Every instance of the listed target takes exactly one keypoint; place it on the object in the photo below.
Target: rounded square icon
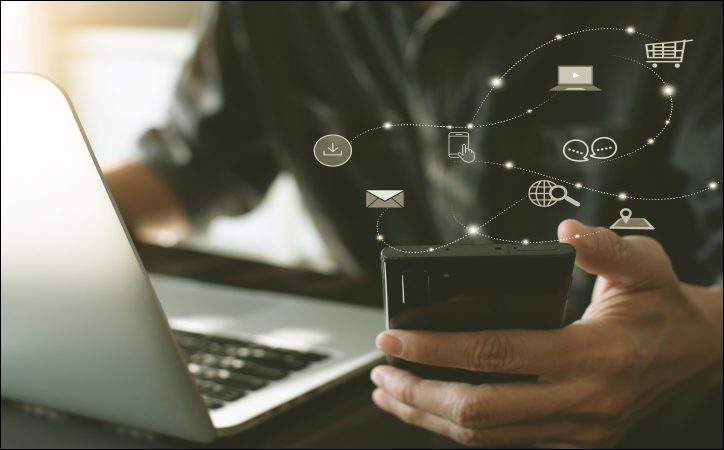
(332, 150)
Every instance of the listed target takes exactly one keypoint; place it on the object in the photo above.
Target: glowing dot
(577, 236)
(650, 141)
(449, 127)
(667, 121)
(622, 196)
(473, 229)
(529, 111)
(713, 185)
(559, 37)
(380, 237)
(496, 82)
(525, 242)
(509, 164)
(470, 126)
(387, 125)
(431, 249)
(630, 30)
(578, 185)
(668, 90)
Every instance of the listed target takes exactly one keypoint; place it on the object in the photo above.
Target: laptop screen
(575, 74)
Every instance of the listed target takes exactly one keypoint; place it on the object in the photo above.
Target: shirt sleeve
(213, 150)
(697, 149)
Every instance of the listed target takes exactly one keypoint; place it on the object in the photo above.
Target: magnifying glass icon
(559, 193)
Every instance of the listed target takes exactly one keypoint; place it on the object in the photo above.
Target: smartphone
(473, 288)
(456, 142)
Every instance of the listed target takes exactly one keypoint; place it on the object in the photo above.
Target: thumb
(630, 260)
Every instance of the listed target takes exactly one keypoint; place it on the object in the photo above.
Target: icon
(545, 193)
(670, 52)
(575, 78)
(332, 150)
(458, 146)
(577, 150)
(381, 198)
(627, 223)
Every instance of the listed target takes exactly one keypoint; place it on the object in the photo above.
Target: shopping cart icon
(671, 52)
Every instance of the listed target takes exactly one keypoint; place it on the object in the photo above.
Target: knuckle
(467, 413)
(407, 392)
(491, 353)
(619, 247)
(621, 356)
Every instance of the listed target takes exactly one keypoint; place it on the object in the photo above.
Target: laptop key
(236, 365)
(277, 360)
(217, 391)
(306, 356)
(227, 378)
(246, 367)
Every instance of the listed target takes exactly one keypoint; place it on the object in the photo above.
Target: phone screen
(456, 140)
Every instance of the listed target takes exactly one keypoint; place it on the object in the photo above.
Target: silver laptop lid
(82, 330)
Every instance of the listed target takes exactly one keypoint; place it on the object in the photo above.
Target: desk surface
(342, 417)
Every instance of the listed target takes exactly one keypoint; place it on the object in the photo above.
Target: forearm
(149, 207)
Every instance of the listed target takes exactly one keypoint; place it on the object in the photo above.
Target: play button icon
(575, 75)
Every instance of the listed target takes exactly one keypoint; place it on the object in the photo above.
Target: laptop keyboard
(226, 369)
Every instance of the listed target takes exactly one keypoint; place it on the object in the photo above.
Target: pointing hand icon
(467, 155)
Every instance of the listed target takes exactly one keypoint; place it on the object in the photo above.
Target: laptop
(86, 330)
(575, 78)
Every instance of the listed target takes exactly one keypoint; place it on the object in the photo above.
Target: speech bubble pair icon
(577, 150)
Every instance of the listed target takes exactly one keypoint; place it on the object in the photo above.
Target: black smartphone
(473, 288)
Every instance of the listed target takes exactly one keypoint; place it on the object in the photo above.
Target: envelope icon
(381, 198)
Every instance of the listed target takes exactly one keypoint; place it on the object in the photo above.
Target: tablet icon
(626, 222)
(458, 146)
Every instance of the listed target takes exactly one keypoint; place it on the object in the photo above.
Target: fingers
(533, 352)
(483, 406)
(635, 260)
(490, 437)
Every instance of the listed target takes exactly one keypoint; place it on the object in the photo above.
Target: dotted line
(452, 211)
(391, 125)
(524, 113)
(676, 197)
(496, 238)
(581, 186)
(477, 111)
(661, 131)
(433, 249)
(451, 127)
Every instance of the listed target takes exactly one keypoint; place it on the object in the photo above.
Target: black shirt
(268, 79)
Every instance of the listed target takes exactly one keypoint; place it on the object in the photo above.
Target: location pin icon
(625, 215)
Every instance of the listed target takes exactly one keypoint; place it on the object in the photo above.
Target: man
(268, 80)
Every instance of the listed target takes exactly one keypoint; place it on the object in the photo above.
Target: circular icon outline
(585, 157)
(593, 145)
(345, 160)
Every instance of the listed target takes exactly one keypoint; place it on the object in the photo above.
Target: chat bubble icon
(576, 150)
(603, 148)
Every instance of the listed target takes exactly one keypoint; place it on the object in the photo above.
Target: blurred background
(119, 61)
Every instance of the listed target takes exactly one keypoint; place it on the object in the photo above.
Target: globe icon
(539, 193)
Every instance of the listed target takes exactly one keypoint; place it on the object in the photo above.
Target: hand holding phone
(473, 288)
